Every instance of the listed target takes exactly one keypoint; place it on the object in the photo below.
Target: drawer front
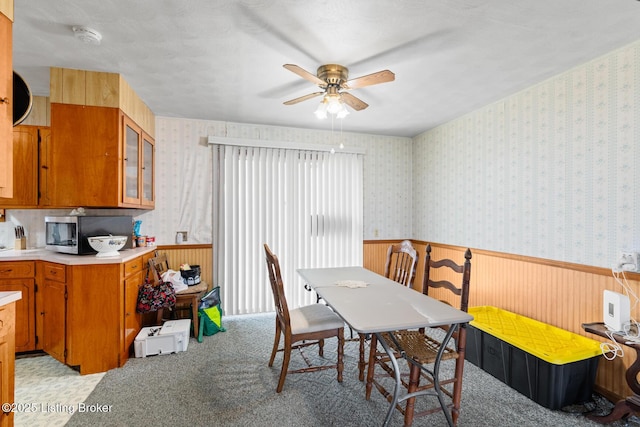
(133, 266)
(56, 272)
(21, 269)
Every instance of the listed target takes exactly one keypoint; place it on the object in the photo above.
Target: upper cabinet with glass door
(138, 165)
(148, 170)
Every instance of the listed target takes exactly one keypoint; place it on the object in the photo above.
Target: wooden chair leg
(414, 379)
(457, 385)
(285, 364)
(321, 348)
(372, 365)
(276, 342)
(361, 362)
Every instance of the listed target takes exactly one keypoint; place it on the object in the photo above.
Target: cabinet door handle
(6, 271)
(4, 100)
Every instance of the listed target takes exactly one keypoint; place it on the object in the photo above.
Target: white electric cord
(611, 350)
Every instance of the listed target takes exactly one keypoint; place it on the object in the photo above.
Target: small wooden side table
(630, 405)
(191, 297)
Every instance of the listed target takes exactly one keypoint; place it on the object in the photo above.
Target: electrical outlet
(181, 236)
(628, 261)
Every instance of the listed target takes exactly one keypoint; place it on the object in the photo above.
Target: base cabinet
(54, 298)
(89, 313)
(20, 276)
(7, 360)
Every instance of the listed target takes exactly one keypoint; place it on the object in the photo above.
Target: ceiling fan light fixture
(334, 104)
(343, 112)
(321, 111)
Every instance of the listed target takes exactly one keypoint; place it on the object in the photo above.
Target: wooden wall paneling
(136, 109)
(201, 255)
(55, 85)
(73, 86)
(102, 89)
(40, 114)
(561, 294)
(6, 8)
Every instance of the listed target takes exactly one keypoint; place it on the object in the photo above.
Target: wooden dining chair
(301, 327)
(420, 347)
(400, 266)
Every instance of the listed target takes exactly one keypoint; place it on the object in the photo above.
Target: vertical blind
(306, 205)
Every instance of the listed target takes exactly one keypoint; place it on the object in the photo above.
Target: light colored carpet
(225, 381)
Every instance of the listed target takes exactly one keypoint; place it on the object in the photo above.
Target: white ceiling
(222, 59)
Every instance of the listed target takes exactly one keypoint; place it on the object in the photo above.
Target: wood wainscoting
(561, 294)
(197, 254)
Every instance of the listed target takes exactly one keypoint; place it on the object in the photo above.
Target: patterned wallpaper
(550, 172)
(184, 175)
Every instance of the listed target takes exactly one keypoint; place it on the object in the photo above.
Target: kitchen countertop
(50, 256)
(9, 297)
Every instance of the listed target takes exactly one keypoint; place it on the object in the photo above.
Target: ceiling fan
(334, 80)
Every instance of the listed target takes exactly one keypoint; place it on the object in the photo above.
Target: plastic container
(551, 366)
(191, 277)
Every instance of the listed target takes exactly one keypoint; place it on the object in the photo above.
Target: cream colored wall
(550, 172)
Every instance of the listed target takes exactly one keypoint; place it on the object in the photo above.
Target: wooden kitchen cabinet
(31, 155)
(102, 138)
(7, 360)
(135, 272)
(95, 144)
(20, 276)
(53, 310)
(138, 170)
(89, 312)
(6, 99)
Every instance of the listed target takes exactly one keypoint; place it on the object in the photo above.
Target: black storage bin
(552, 385)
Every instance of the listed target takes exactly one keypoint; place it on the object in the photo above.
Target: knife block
(21, 244)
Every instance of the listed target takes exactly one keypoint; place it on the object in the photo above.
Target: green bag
(210, 314)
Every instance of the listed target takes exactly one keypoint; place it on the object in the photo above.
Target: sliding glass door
(306, 205)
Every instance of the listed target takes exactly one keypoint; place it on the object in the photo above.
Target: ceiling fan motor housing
(333, 74)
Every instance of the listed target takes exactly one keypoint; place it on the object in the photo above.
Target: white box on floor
(180, 329)
(172, 337)
(149, 342)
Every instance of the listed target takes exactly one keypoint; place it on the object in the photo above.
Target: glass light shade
(321, 111)
(334, 105)
(343, 112)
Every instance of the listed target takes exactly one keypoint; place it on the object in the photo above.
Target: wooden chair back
(277, 287)
(463, 271)
(157, 266)
(402, 260)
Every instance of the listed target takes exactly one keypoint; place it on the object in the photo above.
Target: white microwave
(69, 234)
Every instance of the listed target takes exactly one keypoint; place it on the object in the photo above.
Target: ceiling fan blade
(370, 79)
(353, 102)
(303, 98)
(305, 74)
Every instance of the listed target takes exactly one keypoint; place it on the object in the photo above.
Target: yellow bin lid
(549, 343)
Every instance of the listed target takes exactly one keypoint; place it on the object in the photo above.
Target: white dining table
(373, 304)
